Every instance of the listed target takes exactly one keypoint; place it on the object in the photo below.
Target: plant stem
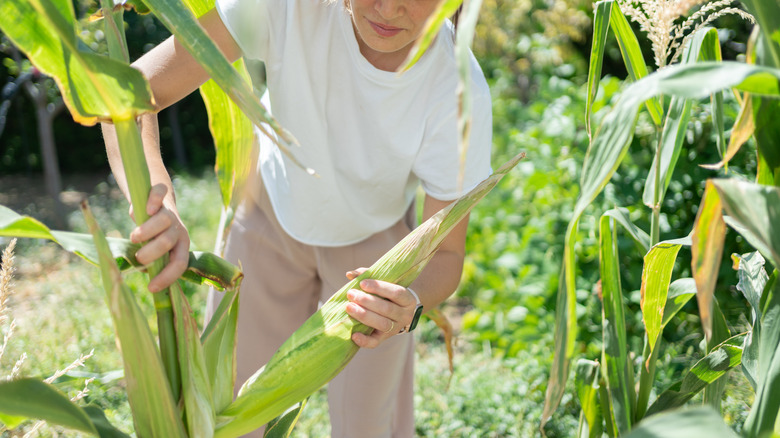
(655, 226)
(647, 373)
(139, 184)
(646, 378)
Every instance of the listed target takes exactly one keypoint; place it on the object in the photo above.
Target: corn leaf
(684, 423)
(616, 368)
(756, 209)
(640, 237)
(706, 371)
(713, 393)
(463, 39)
(282, 426)
(602, 159)
(565, 329)
(32, 398)
(204, 267)
(709, 234)
(181, 22)
(704, 46)
(231, 129)
(93, 87)
(742, 130)
(752, 281)
(763, 417)
(219, 350)
(767, 15)
(587, 383)
(656, 276)
(323, 345)
(104, 428)
(441, 321)
(601, 13)
(680, 292)
(151, 401)
(445, 9)
(766, 133)
(633, 58)
(196, 384)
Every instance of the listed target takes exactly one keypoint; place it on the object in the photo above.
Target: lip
(384, 30)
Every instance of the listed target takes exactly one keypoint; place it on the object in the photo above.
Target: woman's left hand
(386, 307)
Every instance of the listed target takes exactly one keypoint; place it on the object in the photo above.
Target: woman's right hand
(164, 233)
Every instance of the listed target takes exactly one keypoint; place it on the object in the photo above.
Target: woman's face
(387, 29)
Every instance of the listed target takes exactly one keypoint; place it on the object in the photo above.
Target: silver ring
(392, 326)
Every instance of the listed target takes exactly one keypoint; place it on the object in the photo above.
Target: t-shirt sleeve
(250, 23)
(438, 165)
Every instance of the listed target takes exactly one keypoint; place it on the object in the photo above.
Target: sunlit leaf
(93, 87)
(656, 276)
(709, 234)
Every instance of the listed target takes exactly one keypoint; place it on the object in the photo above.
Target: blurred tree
(45, 97)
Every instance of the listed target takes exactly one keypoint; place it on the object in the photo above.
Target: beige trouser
(284, 282)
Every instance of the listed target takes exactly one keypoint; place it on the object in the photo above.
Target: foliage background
(534, 55)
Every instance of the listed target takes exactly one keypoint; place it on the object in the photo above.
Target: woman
(373, 136)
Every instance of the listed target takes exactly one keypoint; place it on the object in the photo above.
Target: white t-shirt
(371, 135)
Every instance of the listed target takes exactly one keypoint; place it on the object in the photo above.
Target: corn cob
(323, 345)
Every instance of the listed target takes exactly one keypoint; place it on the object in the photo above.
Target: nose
(389, 9)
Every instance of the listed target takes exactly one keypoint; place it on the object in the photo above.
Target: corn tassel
(323, 345)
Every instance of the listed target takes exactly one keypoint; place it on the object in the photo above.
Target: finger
(372, 319)
(393, 292)
(367, 341)
(156, 196)
(173, 271)
(158, 247)
(375, 304)
(155, 225)
(353, 274)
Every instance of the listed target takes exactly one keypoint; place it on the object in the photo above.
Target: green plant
(186, 387)
(610, 402)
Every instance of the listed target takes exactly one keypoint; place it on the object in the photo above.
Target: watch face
(417, 312)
